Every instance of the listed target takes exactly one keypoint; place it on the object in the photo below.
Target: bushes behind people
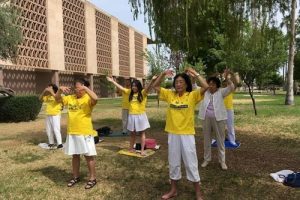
(19, 108)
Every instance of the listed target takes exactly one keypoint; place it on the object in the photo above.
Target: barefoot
(143, 153)
(169, 195)
(199, 196)
(131, 150)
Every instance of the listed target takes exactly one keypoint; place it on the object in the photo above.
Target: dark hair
(187, 80)
(214, 80)
(54, 87)
(82, 81)
(139, 87)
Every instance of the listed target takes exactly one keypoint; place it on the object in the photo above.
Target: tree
(10, 32)
(258, 54)
(158, 60)
(195, 26)
(289, 99)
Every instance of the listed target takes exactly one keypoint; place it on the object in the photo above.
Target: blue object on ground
(227, 143)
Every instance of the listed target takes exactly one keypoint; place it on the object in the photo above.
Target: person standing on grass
(80, 133)
(53, 111)
(125, 107)
(213, 115)
(180, 127)
(137, 118)
(228, 102)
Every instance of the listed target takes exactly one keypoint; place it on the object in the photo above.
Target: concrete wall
(91, 47)
(115, 47)
(56, 54)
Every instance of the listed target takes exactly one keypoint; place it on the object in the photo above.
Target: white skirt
(80, 144)
(138, 122)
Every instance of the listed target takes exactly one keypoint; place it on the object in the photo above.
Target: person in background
(125, 107)
(137, 118)
(213, 114)
(53, 111)
(228, 102)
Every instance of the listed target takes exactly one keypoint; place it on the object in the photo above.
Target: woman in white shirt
(213, 115)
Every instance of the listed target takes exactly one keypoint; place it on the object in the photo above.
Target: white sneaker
(205, 163)
(224, 166)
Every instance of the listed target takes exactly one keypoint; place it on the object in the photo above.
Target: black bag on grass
(292, 180)
(96, 139)
(104, 131)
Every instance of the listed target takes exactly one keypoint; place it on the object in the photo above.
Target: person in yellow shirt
(53, 111)
(180, 127)
(125, 106)
(137, 118)
(80, 132)
(228, 102)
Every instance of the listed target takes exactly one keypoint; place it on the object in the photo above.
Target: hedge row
(19, 108)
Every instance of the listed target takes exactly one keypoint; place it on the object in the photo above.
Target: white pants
(183, 147)
(218, 127)
(53, 128)
(230, 126)
(124, 120)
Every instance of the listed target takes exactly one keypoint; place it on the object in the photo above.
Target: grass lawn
(269, 142)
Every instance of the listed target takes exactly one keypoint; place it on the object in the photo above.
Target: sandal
(73, 181)
(90, 184)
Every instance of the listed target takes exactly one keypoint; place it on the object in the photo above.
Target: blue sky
(121, 10)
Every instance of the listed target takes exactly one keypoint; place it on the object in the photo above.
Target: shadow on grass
(55, 174)
(111, 148)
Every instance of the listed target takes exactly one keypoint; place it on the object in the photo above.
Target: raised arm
(61, 90)
(159, 79)
(227, 75)
(202, 81)
(236, 79)
(120, 87)
(49, 90)
(150, 85)
(92, 94)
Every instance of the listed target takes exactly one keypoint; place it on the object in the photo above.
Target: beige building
(66, 39)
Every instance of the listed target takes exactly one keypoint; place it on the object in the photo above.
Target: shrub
(19, 108)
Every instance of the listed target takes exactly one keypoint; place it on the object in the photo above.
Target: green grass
(269, 142)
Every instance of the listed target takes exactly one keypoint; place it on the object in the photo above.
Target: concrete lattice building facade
(66, 39)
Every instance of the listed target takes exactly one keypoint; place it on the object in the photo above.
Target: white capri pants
(53, 128)
(183, 146)
(124, 119)
(230, 126)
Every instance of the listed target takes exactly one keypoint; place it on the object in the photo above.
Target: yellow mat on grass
(126, 152)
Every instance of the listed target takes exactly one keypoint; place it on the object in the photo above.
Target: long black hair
(139, 87)
(54, 87)
(215, 80)
(187, 80)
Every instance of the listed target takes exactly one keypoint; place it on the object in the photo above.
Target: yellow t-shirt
(52, 107)
(79, 115)
(228, 101)
(180, 113)
(136, 107)
(125, 100)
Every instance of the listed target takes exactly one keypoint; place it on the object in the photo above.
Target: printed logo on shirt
(74, 107)
(181, 106)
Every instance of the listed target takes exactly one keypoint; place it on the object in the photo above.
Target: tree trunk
(252, 98)
(289, 99)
